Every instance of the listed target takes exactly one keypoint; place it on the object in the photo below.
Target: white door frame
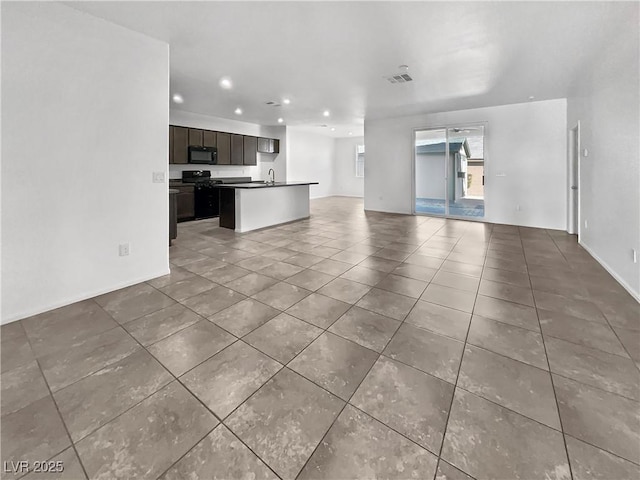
(573, 181)
(446, 128)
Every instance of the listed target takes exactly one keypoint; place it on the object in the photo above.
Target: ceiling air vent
(402, 78)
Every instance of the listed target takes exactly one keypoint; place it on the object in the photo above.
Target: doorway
(449, 172)
(573, 217)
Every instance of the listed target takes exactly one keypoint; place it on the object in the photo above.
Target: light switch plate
(158, 177)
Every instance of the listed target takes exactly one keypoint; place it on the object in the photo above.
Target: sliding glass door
(449, 172)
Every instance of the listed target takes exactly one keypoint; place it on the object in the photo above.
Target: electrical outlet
(518, 208)
(124, 249)
(634, 254)
(586, 224)
(158, 177)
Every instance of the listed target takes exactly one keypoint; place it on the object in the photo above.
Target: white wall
(310, 157)
(265, 160)
(525, 161)
(345, 181)
(606, 103)
(85, 123)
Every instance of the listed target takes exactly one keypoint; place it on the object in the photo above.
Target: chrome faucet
(272, 176)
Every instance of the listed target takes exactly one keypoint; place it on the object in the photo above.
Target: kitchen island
(250, 206)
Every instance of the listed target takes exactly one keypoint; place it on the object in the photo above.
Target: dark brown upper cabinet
(179, 145)
(237, 149)
(171, 127)
(250, 155)
(195, 137)
(223, 141)
(209, 139)
(276, 145)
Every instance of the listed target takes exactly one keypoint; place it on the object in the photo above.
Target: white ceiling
(335, 55)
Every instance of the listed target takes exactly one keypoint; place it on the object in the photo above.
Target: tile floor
(349, 345)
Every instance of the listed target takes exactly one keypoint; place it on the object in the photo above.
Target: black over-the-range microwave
(206, 155)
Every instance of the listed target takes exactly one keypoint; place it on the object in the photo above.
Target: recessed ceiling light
(226, 83)
(531, 97)
(333, 129)
(350, 133)
(177, 98)
(286, 101)
(280, 120)
(238, 111)
(326, 113)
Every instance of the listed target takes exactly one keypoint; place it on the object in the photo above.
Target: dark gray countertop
(264, 185)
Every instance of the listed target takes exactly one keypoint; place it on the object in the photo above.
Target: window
(360, 161)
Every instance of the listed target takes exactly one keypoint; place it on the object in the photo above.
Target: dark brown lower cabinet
(185, 203)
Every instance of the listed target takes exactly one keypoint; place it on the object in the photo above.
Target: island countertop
(263, 185)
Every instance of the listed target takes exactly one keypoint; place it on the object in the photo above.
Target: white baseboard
(387, 211)
(78, 298)
(618, 279)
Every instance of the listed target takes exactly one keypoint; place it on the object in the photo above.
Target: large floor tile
(463, 268)
(576, 308)
(100, 397)
(424, 274)
(177, 274)
(304, 260)
(517, 279)
(447, 471)
(251, 284)
(449, 297)
(441, 320)
(244, 316)
(319, 310)
(408, 400)
(282, 295)
(310, 279)
(367, 276)
(510, 383)
(344, 290)
(228, 378)
(188, 287)
(20, 387)
(68, 366)
(331, 267)
(285, 421)
(66, 327)
(631, 341)
(591, 463)
(220, 456)
(380, 264)
(15, 352)
(514, 342)
(366, 328)
(184, 350)
(503, 291)
(386, 303)
(456, 280)
(226, 273)
(576, 330)
(283, 337)
(603, 419)
(280, 270)
(437, 355)
(71, 468)
(133, 302)
(489, 441)
(402, 285)
(594, 367)
(359, 447)
(507, 312)
(158, 325)
(146, 440)
(335, 364)
(212, 301)
(33, 433)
